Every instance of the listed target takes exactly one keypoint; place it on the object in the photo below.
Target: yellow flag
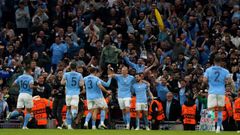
(159, 19)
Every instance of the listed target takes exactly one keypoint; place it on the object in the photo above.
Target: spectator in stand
(162, 89)
(58, 50)
(194, 33)
(38, 46)
(109, 54)
(72, 47)
(172, 108)
(43, 90)
(4, 110)
(22, 21)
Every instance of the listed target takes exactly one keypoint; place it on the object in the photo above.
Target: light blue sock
(219, 122)
(124, 118)
(93, 123)
(26, 119)
(14, 114)
(137, 122)
(88, 117)
(145, 120)
(102, 116)
(128, 117)
(74, 113)
(68, 118)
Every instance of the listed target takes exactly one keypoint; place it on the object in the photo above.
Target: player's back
(24, 82)
(91, 86)
(72, 82)
(216, 79)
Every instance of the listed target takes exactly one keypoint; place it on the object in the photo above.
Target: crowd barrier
(165, 125)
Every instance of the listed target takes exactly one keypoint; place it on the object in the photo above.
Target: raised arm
(131, 64)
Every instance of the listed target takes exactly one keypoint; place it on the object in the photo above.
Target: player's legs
(127, 111)
(74, 106)
(138, 119)
(68, 114)
(124, 104)
(103, 106)
(212, 103)
(144, 107)
(216, 102)
(138, 111)
(122, 107)
(27, 117)
(220, 107)
(93, 111)
(20, 106)
(28, 103)
(94, 117)
(88, 117)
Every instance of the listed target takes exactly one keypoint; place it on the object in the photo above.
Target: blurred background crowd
(48, 34)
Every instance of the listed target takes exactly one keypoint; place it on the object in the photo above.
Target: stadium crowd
(47, 35)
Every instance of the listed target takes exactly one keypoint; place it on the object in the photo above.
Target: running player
(26, 84)
(125, 82)
(72, 81)
(216, 77)
(141, 89)
(95, 98)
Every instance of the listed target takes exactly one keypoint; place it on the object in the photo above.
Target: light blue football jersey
(216, 76)
(140, 89)
(72, 82)
(124, 85)
(91, 85)
(24, 82)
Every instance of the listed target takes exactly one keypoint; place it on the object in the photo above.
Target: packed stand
(47, 35)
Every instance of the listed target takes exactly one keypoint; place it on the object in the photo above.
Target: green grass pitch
(103, 132)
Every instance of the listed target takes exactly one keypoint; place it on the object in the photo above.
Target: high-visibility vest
(85, 108)
(227, 110)
(159, 109)
(133, 112)
(189, 114)
(236, 110)
(39, 110)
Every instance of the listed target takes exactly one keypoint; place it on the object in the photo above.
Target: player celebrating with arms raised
(216, 77)
(73, 80)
